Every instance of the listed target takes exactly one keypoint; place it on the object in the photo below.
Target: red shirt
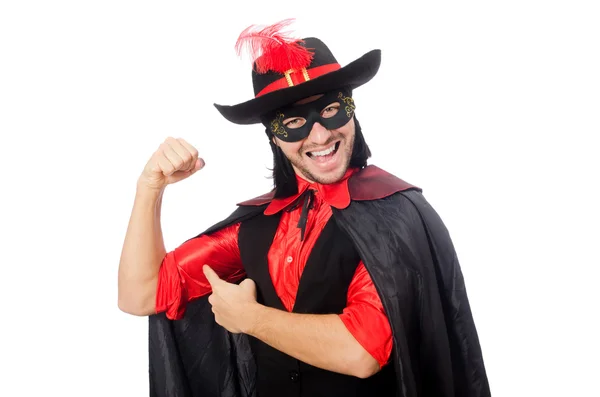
(181, 278)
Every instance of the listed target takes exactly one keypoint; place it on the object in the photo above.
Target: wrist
(256, 317)
(145, 190)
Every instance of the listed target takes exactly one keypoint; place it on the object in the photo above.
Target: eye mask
(308, 114)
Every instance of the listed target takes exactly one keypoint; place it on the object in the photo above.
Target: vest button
(294, 376)
(289, 259)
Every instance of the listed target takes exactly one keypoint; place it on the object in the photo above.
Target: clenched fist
(174, 161)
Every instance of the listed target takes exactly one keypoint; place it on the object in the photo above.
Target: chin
(326, 177)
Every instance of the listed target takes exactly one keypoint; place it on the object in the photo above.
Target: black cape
(410, 257)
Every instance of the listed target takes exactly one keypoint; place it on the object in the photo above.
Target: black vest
(322, 290)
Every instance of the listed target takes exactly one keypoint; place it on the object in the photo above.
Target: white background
(492, 108)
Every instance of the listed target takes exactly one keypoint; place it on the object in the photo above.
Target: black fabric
(327, 274)
(409, 254)
(195, 356)
(254, 240)
(323, 289)
(418, 276)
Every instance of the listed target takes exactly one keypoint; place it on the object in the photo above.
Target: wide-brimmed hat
(288, 70)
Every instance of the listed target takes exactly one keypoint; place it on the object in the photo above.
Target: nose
(319, 135)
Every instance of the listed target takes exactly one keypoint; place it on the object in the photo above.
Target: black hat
(289, 70)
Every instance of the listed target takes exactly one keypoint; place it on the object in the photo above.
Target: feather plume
(272, 48)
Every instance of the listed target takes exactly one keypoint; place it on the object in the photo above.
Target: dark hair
(284, 177)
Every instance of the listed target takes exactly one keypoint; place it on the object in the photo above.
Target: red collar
(369, 183)
(335, 194)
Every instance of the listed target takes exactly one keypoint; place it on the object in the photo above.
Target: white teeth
(324, 152)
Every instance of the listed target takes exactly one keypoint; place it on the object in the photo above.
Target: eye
(330, 110)
(294, 123)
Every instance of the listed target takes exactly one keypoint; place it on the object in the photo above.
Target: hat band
(295, 77)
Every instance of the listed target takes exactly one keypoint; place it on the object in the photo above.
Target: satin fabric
(411, 260)
(181, 278)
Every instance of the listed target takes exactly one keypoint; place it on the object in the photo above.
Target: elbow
(363, 365)
(137, 298)
(133, 306)
(366, 370)
(126, 307)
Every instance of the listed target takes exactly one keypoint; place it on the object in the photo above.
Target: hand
(234, 305)
(173, 161)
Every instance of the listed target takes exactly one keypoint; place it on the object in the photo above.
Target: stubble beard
(300, 163)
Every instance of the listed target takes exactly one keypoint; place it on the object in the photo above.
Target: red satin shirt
(181, 278)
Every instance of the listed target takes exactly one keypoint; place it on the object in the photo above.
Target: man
(342, 281)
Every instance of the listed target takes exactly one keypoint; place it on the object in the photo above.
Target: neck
(301, 178)
(299, 174)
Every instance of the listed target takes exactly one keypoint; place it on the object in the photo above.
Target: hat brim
(352, 75)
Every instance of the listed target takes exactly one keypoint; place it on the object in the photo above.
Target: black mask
(301, 118)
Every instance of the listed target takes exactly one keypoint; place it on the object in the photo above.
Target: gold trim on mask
(350, 104)
(277, 125)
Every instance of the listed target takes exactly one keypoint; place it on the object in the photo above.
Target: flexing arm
(142, 254)
(143, 248)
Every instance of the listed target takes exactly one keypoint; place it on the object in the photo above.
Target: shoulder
(258, 201)
(373, 183)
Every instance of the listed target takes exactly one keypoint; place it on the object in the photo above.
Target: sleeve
(365, 317)
(180, 277)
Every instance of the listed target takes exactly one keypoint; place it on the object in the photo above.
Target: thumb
(211, 276)
(249, 286)
(198, 165)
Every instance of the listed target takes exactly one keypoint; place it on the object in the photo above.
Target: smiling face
(324, 155)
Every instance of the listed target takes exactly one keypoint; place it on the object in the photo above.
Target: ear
(275, 141)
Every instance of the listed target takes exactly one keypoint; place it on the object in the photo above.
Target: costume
(181, 278)
(374, 233)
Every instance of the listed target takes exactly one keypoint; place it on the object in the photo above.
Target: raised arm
(143, 249)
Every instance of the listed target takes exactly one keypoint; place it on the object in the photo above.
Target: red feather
(271, 48)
